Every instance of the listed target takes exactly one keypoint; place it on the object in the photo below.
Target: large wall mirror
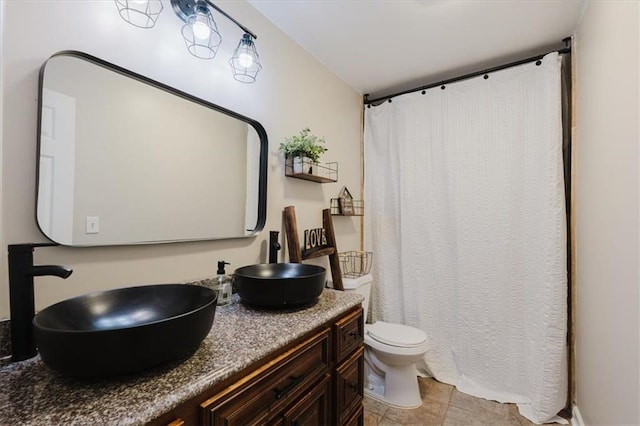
(123, 159)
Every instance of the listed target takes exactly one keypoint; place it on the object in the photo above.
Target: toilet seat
(398, 335)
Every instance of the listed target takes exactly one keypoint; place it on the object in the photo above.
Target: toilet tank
(360, 285)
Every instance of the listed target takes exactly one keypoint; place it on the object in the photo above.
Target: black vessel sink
(124, 330)
(280, 285)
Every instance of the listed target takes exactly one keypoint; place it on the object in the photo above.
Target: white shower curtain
(465, 214)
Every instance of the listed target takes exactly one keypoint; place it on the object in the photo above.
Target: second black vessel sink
(124, 330)
(280, 285)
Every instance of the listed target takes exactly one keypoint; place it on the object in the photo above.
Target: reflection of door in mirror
(57, 156)
(124, 160)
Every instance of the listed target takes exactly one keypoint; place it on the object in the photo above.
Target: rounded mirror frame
(259, 129)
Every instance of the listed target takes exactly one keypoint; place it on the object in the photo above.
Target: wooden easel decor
(296, 255)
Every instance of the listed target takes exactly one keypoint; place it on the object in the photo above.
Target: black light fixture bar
(222, 12)
(184, 8)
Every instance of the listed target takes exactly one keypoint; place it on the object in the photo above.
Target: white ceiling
(382, 46)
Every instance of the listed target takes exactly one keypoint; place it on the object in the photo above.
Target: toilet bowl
(391, 351)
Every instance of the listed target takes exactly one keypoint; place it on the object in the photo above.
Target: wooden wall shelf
(313, 178)
(308, 170)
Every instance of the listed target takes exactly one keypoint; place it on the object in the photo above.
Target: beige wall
(606, 214)
(293, 91)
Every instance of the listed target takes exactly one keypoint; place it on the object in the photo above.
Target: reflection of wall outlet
(92, 225)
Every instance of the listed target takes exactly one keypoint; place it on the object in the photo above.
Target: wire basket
(355, 264)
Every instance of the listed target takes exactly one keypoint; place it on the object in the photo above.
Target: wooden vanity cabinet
(318, 381)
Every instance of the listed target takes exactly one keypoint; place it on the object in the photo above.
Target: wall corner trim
(576, 419)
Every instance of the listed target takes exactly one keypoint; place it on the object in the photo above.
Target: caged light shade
(200, 32)
(140, 13)
(245, 61)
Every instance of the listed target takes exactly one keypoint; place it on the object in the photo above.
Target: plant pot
(302, 165)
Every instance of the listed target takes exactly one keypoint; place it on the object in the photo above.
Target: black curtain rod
(566, 49)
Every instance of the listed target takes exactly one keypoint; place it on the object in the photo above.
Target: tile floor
(444, 405)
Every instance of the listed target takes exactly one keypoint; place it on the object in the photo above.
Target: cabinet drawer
(349, 334)
(266, 392)
(350, 386)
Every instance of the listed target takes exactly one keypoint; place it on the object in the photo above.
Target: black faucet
(274, 246)
(21, 303)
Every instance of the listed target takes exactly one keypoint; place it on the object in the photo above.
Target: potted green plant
(303, 146)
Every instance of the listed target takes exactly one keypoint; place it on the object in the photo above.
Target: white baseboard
(576, 420)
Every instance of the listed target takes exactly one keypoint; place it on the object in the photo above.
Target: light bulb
(200, 27)
(245, 60)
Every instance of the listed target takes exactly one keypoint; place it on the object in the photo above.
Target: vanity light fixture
(140, 13)
(245, 61)
(200, 31)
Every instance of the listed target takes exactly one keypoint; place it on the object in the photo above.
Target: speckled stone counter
(5, 340)
(33, 394)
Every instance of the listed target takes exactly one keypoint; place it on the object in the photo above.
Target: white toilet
(391, 351)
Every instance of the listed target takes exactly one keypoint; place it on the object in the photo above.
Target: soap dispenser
(223, 284)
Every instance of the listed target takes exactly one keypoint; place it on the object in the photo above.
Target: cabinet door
(349, 386)
(268, 391)
(349, 334)
(313, 408)
(357, 419)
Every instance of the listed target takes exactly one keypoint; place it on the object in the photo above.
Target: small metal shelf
(336, 210)
(308, 170)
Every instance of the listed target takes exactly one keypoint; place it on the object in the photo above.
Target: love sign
(315, 238)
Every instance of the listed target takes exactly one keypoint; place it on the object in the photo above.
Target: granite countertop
(240, 336)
